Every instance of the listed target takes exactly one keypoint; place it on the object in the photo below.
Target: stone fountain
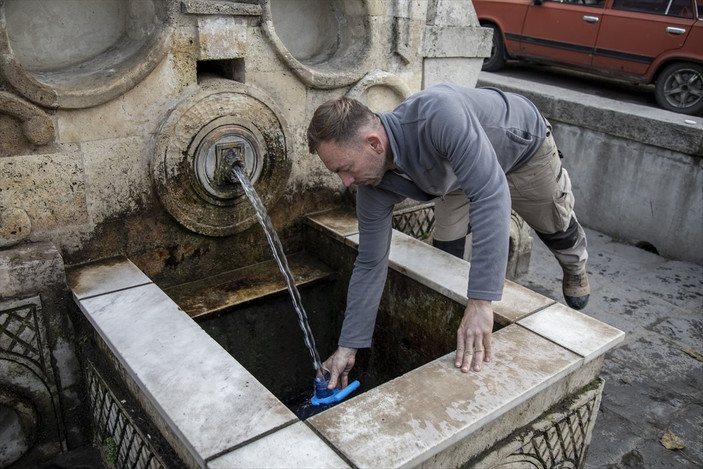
(122, 245)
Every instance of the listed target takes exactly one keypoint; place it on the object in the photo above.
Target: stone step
(216, 294)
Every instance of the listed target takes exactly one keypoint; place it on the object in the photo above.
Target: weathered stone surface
(408, 420)
(219, 7)
(136, 113)
(37, 126)
(49, 188)
(117, 57)
(221, 38)
(117, 183)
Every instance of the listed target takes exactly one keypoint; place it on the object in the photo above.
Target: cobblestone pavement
(654, 379)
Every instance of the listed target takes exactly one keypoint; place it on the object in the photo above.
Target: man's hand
(473, 339)
(338, 366)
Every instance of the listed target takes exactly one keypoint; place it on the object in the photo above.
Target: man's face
(362, 166)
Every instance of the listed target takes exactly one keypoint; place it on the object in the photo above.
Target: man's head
(351, 141)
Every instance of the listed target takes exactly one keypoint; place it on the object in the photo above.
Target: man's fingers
(459, 349)
(334, 375)
(468, 354)
(466, 360)
(478, 359)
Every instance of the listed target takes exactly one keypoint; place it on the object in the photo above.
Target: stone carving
(29, 390)
(36, 125)
(194, 131)
(339, 47)
(101, 78)
(560, 438)
(381, 91)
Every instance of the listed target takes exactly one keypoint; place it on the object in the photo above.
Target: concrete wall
(637, 172)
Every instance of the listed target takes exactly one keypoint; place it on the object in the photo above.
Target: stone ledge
(410, 257)
(190, 385)
(218, 293)
(410, 419)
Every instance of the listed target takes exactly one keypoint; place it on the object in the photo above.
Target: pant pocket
(563, 203)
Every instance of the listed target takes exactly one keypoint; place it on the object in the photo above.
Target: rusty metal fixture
(219, 146)
(220, 124)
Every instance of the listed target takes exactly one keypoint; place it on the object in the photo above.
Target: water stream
(281, 260)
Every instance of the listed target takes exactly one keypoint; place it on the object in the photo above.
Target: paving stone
(625, 307)
(679, 283)
(686, 331)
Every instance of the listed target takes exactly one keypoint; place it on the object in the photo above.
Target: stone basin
(536, 402)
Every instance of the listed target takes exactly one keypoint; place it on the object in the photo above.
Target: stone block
(293, 446)
(50, 188)
(221, 37)
(191, 393)
(117, 180)
(286, 91)
(457, 70)
(136, 112)
(573, 330)
(454, 42)
(408, 420)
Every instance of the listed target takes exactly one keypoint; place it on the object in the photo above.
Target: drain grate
(121, 442)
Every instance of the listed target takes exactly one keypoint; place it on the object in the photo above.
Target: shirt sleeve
(457, 134)
(375, 213)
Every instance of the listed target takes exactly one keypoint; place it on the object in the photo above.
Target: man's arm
(473, 160)
(375, 214)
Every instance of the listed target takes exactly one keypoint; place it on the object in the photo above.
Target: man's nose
(347, 179)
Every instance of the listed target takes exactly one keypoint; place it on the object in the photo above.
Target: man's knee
(562, 239)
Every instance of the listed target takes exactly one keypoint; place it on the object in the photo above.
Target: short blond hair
(338, 120)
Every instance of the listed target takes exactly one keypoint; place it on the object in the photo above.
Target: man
(473, 150)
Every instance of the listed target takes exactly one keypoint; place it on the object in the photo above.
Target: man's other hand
(338, 366)
(473, 339)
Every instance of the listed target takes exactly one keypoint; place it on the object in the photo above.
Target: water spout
(278, 254)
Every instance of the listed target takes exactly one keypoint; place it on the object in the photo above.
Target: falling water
(280, 257)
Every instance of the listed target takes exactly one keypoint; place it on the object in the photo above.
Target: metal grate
(19, 331)
(416, 221)
(121, 442)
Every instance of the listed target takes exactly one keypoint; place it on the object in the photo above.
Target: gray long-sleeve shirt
(444, 138)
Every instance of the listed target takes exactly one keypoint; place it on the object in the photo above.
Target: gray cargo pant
(541, 194)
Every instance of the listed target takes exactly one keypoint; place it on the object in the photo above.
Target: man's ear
(375, 142)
